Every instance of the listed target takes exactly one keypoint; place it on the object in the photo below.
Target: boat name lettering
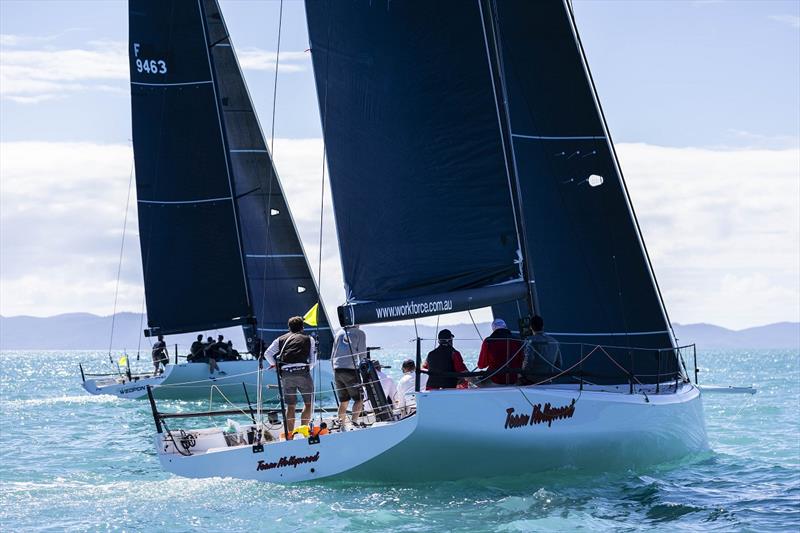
(283, 462)
(132, 389)
(541, 414)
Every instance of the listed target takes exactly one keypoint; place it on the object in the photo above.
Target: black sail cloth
(218, 243)
(593, 280)
(418, 177)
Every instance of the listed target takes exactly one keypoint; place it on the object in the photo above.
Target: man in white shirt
(404, 396)
(349, 347)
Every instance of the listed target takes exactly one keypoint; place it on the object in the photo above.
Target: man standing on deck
(294, 354)
(443, 360)
(500, 352)
(160, 355)
(349, 346)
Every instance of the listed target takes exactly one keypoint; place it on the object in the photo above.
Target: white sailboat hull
(187, 381)
(460, 434)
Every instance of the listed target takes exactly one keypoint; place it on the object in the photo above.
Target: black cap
(445, 334)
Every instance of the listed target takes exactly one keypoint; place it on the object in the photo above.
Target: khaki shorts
(348, 386)
(294, 382)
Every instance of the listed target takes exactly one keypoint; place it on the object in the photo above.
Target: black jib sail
(418, 176)
(278, 275)
(218, 243)
(593, 279)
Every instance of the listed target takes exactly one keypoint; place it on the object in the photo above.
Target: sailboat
(219, 245)
(471, 166)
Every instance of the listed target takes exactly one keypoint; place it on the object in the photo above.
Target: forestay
(419, 181)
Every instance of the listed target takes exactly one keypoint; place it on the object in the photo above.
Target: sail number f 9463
(149, 66)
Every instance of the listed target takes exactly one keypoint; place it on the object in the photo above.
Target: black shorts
(348, 385)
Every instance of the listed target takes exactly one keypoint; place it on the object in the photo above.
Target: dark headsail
(278, 275)
(218, 243)
(593, 279)
(418, 177)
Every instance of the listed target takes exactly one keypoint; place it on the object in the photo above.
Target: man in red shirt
(500, 352)
(444, 358)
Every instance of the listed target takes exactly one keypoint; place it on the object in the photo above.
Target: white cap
(499, 323)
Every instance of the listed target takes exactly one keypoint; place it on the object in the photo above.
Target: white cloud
(722, 227)
(32, 75)
(791, 20)
(257, 59)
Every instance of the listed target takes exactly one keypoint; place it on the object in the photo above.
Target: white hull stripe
(171, 84)
(265, 256)
(207, 200)
(632, 333)
(555, 138)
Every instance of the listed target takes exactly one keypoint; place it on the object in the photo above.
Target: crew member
(404, 397)
(233, 354)
(349, 346)
(542, 354)
(294, 354)
(211, 356)
(444, 359)
(500, 353)
(196, 351)
(160, 354)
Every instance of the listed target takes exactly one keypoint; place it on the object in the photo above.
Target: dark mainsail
(213, 254)
(418, 177)
(449, 126)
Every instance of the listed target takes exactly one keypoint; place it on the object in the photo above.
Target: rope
(119, 264)
(474, 324)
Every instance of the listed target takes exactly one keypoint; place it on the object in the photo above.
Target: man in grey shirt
(349, 346)
(542, 353)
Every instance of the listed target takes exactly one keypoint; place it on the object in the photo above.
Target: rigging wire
(119, 264)
(271, 170)
(322, 208)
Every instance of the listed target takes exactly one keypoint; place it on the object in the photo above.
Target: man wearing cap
(405, 387)
(500, 352)
(444, 359)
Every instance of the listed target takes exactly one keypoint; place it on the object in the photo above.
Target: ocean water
(74, 462)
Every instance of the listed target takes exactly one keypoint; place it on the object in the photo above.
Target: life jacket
(441, 360)
(319, 431)
(294, 348)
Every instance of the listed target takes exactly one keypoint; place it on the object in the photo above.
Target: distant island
(85, 331)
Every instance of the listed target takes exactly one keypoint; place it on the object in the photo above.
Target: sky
(702, 99)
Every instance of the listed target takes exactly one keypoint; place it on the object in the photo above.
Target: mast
(495, 60)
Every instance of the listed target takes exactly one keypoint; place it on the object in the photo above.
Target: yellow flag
(123, 360)
(310, 318)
